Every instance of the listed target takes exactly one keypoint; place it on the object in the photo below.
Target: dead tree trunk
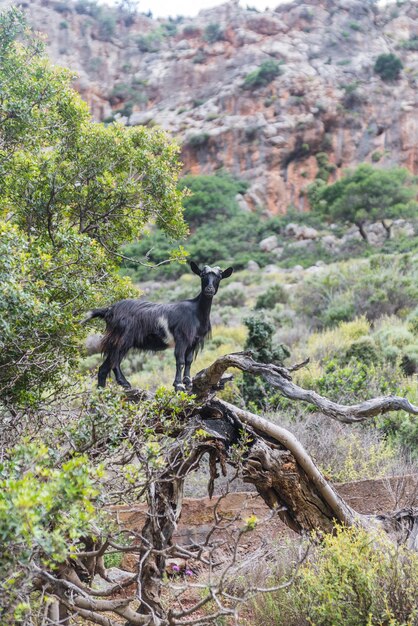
(282, 471)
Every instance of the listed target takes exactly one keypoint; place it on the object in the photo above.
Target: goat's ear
(195, 268)
(227, 273)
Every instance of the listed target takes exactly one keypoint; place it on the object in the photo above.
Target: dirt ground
(365, 496)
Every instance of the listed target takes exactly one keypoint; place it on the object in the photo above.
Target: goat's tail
(95, 313)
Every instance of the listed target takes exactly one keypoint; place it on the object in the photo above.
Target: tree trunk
(360, 226)
(387, 226)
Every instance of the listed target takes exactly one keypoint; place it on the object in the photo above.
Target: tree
(388, 66)
(366, 194)
(72, 192)
(211, 196)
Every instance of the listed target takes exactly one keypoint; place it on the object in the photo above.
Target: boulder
(271, 269)
(268, 244)
(402, 228)
(278, 252)
(300, 231)
(253, 266)
(330, 242)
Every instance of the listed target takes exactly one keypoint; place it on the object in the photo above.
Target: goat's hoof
(179, 387)
(187, 381)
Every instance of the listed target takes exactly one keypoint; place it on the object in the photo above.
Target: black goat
(148, 326)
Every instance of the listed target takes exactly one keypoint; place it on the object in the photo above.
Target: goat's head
(210, 277)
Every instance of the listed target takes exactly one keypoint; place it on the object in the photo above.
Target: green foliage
(274, 295)
(411, 44)
(213, 32)
(263, 75)
(131, 92)
(376, 156)
(365, 194)
(234, 296)
(347, 383)
(388, 66)
(351, 578)
(70, 195)
(151, 42)
(356, 579)
(381, 285)
(325, 168)
(232, 241)
(260, 342)
(211, 196)
(107, 26)
(199, 140)
(44, 511)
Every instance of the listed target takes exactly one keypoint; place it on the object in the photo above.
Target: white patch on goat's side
(168, 339)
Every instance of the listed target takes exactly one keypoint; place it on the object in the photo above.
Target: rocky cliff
(325, 110)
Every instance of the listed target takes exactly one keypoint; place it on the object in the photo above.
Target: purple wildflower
(175, 568)
(188, 572)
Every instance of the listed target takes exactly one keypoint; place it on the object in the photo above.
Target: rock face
(187, 75)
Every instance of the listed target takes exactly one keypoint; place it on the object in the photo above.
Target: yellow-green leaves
(43, 508)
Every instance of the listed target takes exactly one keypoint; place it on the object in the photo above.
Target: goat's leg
(188, 361)
(120, 378)
(104, 371)
(179, 353)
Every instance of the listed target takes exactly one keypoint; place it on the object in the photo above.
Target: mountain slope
(188, 75)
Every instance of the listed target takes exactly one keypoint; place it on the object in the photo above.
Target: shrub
(352, 578)
(107, 25)
(199, 140)
(263, 75)
(358, 579)
(211, 196)
(256, 391)
(411, 44)
(376, 156)
(234, 296)
(388, 66)
(88, 7)
(325, 168)
(274, 295)
(363, 350)
(381, 285)
(151, 42)
(213, 32)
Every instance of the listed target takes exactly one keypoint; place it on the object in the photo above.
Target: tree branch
(206, 380)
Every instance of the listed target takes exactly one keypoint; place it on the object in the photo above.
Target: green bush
(199, 140)
(411, 44)
(381, 285)
(213, 32)
(351, 579)
(255, 391)
(363, 350)
(211, 196)
(107, 26)
(388, 66)
(356, 579)
(151, 42)
(263, 75)
(274, 295)
(232, 297)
